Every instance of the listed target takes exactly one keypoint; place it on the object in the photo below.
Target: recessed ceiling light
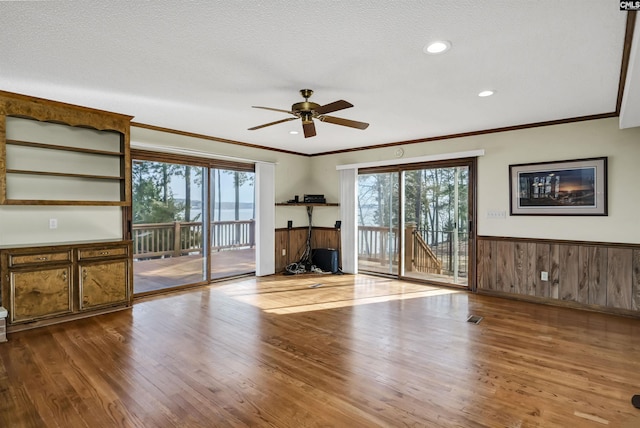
(293, 132)
(438, 47)
(487, 93)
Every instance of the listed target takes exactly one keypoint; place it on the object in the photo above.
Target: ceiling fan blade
(344, 122)
(334, 106)
(272, 123)
(309, 129)
(274, 109)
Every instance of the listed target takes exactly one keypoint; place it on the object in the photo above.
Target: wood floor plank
(357, 351)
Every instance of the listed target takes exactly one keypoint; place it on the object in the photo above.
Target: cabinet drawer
(93, 253)
(26, 259)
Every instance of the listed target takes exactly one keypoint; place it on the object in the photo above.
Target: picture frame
(575, 187)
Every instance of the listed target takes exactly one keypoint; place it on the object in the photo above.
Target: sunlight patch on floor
(331, 297)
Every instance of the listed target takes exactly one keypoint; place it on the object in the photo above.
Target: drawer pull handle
(104, 253)
(43, 259)
(84, 274)
(64, 276)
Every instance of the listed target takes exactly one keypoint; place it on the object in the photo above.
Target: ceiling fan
(307, 111)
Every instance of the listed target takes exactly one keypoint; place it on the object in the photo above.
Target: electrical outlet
(284, 251)
(544, 276)
(53, 223)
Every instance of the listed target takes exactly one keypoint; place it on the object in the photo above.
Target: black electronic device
(289, 224)
(325, 259)
(314, 199)
(338, 224)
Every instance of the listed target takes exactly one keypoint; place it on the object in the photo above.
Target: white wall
(24, 224)
(559, 142)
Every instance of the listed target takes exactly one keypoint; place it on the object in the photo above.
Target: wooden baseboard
(560, 303)
(58, 320)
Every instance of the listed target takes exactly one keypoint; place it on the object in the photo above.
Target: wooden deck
(159, 274)
(324, 350)
(372, 266)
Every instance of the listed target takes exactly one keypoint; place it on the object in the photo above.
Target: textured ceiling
(199, 66)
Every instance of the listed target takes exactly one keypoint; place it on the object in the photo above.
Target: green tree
(153, 201)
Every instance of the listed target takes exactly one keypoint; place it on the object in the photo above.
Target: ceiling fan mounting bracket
(306, 93)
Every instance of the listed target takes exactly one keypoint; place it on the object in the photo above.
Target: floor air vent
(474, 319)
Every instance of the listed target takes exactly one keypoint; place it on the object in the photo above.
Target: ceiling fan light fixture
(437, 47)
(486, 93)
(307, 111)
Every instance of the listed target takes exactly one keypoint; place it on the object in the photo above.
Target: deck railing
(419, 256)
(425, 251)
(180, 238)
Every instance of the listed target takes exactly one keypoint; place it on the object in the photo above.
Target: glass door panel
(168, 225)
(436, 224)
(378, 219)
(232, 228)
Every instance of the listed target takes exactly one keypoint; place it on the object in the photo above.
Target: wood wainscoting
(590, 275)
(293, 242)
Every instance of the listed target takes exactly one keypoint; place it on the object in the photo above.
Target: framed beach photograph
(571, 187)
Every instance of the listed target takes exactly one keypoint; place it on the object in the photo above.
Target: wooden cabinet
(48, 284)
(101, 275)
(39, 293)
(59, 154)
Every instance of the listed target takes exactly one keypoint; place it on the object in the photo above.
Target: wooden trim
(559, 241)
(393, 144)
(151, 156)
(14, 328)
(474, 133)
(560, 303)
(211, 138)
(45, 110)
(65, 174)
(3, 158)
(626, 54)
(63, 202)
(63, 148)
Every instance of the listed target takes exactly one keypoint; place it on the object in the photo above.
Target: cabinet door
(103, 284)
(40, 293)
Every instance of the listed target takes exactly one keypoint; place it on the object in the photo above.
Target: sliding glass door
(167, 225)
(436, 224)
(233, 213)
(378, 222)
(416, 222)
(192, 222)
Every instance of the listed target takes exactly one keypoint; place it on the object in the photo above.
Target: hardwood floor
(324, 350)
